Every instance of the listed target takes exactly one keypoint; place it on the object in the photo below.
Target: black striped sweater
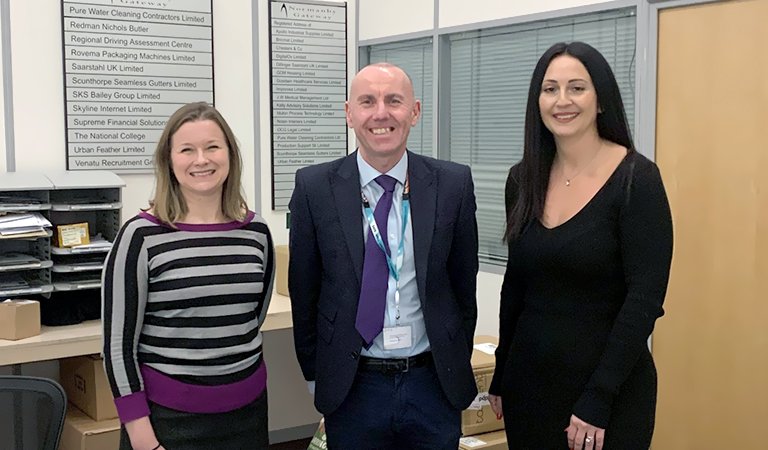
(182, 312)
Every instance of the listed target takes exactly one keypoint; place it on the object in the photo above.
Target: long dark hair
(531, 175)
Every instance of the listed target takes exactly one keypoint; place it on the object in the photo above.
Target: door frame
(648, 13)
(645, 85)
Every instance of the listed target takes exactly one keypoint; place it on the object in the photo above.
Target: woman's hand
(583, 436)
(142, 434)
(495, 402)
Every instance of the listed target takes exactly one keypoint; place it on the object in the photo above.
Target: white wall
(488, 289)
(462, 12)
(392, 17)
(38, 97)
(395, 17)
(2, 117)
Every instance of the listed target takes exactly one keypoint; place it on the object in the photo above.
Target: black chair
(32, 413)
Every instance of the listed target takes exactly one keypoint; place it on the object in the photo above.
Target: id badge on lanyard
(394, 266)
(398, 337)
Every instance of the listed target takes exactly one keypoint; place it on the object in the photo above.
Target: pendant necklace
(573, 177)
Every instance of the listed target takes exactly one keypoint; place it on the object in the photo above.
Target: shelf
(75, 268)
(107, 206)
(63, 197)
(85, 338)
(53, 343)
(31, 236)
(29, 290)
(27, 266)
(96, 179)
(78, 250)
(11, 207)
(76, 285)
(21, 181)
(278, 314)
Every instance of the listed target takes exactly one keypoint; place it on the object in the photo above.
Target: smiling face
(382, 109)
(200, 159)
(568, 101)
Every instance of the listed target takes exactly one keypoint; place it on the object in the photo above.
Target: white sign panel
(129, 65)
(308, 82)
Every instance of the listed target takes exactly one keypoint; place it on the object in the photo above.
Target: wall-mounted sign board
(308, 82)
(128, 65)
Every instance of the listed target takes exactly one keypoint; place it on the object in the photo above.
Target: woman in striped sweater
(186, 288)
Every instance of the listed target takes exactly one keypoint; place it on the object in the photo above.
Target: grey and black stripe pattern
(189, 304)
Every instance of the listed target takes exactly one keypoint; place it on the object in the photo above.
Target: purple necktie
(373, 294)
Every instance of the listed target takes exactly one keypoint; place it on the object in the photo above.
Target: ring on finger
(588, 439)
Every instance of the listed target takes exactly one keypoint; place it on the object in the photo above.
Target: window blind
(415, 58)
(490, 72)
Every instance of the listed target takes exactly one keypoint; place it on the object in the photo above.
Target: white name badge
(396, 338)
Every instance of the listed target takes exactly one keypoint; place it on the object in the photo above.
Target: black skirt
(242, 429)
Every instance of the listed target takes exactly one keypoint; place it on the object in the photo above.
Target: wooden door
(711, 348)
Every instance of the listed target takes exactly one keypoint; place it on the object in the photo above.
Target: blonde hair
(169, 205)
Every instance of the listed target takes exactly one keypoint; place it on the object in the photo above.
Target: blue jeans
(395, 411)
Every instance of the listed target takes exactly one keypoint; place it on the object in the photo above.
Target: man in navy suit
(383, 275)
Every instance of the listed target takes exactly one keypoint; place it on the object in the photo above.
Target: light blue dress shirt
(410, 305)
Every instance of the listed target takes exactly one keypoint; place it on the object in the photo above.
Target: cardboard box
(488, 441)
(281, 267)
(72, 235)
(83, 433)
(479, 417)
(85, 382)
(19, 319)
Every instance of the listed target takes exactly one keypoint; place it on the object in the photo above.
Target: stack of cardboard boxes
(480, 428)
(91, 422)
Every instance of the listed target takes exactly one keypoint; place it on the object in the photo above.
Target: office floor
(301, 444)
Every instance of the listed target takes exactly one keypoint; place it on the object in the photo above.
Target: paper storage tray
(76, 285)
(76, 281)
(78, 250)
(29, 290)
(7, 206)
(85, 206)
(11, 264)
(76, 268)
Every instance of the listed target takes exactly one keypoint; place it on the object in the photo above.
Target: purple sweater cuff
(132, 407)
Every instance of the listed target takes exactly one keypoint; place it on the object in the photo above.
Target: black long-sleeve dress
(578, 303)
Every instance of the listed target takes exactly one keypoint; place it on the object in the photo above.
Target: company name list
(127, 69)
(309, 87)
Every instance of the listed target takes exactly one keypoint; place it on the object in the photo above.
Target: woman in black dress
(590, 244)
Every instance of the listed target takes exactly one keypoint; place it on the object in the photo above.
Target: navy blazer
(326, 269)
